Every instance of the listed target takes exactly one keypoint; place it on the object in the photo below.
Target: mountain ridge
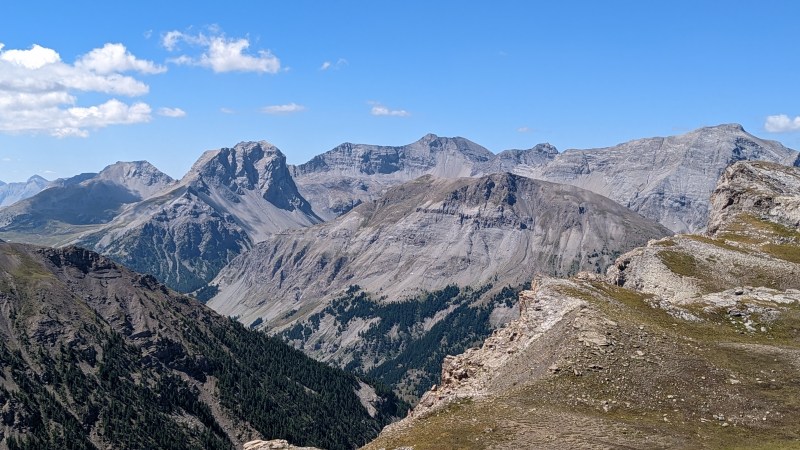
(683, 343)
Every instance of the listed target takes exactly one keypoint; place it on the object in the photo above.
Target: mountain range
(688, 342)
(384, 261)
(96, 356)
(184, 232)
(428, 235)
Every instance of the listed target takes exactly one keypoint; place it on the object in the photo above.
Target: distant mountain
(509, 160)
(689, 342)
(93, 355)
(337, 180)
(665, 179)
(230, 199)
(56, 214)
(423, 236)
(11, 193)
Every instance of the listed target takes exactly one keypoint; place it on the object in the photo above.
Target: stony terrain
(94, 356)
(691, 342)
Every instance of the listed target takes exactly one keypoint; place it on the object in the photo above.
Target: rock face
(229, 200)
(667, 179)
(337, 180)
(761, 189)
(689, 335)
(426, 234)
(127, 355)
(11, 193)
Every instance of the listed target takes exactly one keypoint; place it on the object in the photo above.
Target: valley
(557, 278)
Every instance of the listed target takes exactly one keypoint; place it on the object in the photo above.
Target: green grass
(786, 252)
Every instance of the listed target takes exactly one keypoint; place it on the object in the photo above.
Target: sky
(85, 84)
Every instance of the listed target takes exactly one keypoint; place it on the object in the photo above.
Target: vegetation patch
(680, 263)
(786, 252)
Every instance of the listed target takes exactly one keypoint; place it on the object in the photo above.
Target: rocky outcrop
(275, 444)
(761, 189)
(483, 371)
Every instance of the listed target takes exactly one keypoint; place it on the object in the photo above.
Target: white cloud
(226, 110)
(39, 92)
(221, 54)
(782, 123)
(283, 109)
(171, 112)
(380, 110)
(113, 58)
(34, 58)
(523, 129)
(341, 62)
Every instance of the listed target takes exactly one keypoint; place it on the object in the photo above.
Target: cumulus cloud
(220, 53)
(34, 58)
(171, 112)
(283, 109)
(380, 110)
(782, 123)
(39, 92)
(113, 58)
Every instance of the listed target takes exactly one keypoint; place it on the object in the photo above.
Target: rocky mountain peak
(37, 179)
(254, 166)
(11, 193)
(139, 177)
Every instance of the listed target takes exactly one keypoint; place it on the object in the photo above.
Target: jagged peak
(37, 178)
(249, 146)
(246, 152)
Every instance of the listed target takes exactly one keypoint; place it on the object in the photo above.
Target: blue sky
(164, 81)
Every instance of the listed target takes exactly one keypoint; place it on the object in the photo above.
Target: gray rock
(667, 179)
(428, 234)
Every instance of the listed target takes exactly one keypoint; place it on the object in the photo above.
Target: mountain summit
(349, 174)
(667, 179)
(229, 200)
